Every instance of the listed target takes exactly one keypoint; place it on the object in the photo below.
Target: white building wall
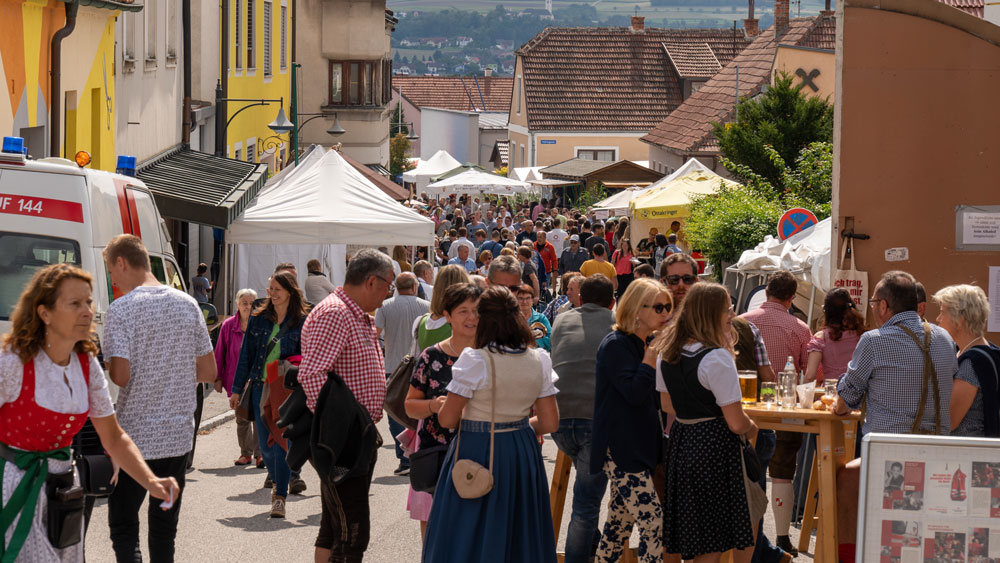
(454, 131)
(149, 81)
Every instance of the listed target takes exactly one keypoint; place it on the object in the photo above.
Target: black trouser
(123, 514)
(199, 405)
(345, 526)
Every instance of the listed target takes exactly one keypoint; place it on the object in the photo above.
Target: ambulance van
(55, 210)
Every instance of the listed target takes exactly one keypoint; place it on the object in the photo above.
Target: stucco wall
(915, 135)
(810, 61)
(454, 131)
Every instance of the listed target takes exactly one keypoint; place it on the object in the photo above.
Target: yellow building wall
(819, 68)
(250, 82)
(87, 73)
(565, 147)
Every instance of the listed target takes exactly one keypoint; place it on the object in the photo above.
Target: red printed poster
(985, 491)
(980, 548)
(904, 485)
(944, 544)
(946, 492)
(900, 542)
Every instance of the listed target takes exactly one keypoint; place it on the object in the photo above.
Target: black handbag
(95, 472)
(396, 390)
(751, 461)
(425, 467)
(64, 511)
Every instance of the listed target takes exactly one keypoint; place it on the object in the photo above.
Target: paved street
(224, 515)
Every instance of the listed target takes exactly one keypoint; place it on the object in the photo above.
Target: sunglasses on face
(688, 279)
(660, 308)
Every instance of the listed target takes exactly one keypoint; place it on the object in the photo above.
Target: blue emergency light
(126, 165)
(13, 145)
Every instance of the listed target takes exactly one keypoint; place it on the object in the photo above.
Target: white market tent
(436, 165)
(527, 173)
(313, 211)
(475, 181)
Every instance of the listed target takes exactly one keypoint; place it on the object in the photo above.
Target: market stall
(669, 200)
(436, 165)
(477, 182)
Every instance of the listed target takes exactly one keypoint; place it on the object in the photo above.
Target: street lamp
(280, 125)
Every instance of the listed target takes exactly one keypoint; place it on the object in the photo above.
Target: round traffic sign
(794, 221)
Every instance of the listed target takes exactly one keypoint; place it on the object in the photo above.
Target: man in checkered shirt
(887, 368)
(339, 336)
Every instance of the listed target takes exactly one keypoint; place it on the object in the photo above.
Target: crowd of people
(523, 321)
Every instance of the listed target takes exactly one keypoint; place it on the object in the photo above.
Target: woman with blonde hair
(433, 327)
(626, 443)
(974, 409)
(399, 255)
(50, 384)
(485, 257)
(697, 380)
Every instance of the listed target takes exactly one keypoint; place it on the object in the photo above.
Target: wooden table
(834, 448)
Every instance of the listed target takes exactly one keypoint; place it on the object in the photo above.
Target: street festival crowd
(527, 321)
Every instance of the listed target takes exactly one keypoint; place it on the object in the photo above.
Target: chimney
(750, 25)
(638, 24)
(489, 72)
(780, 16)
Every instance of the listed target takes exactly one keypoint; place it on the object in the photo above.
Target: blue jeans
(573, 439)
(764, 551)
(274, 455)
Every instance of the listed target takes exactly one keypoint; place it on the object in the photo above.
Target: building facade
(60, 101)
(346, 75)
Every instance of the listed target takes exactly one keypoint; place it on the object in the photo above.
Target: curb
(217, 420)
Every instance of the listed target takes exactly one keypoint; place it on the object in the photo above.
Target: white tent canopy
(326, 200)
(807, 251)
(475, 181)
(527, 173)
(617, 204)
(436, 165)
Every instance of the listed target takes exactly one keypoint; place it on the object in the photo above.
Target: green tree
(399, 151)
(784, 118)
(398, 122)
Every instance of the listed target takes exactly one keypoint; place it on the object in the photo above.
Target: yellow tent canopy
(673, 199)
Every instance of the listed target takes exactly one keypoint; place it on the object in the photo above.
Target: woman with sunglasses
(627, 432)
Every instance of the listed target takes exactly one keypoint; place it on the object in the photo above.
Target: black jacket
(342, 438)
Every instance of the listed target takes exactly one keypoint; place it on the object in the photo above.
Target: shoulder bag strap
(277, 338)
(493, 405)
(930, 377)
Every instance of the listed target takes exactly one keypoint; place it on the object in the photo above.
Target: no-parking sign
(794, 221)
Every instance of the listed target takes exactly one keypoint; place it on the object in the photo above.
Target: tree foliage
(784, 118)
(399, 151)
(398, 123)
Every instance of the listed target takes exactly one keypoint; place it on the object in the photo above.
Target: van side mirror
(209, 313)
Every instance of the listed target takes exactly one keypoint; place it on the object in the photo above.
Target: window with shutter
(251, 36)
(238, 51)
(268, 51)
(284, 37)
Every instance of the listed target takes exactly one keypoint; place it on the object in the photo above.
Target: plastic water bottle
(789, 378)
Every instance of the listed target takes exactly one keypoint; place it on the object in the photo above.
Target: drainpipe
(55, 83)
(222, 86)
(186, 27)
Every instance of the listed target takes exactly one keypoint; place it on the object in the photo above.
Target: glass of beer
(748, 386)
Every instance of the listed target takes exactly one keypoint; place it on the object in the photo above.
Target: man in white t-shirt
(158, 348)
(557, 237)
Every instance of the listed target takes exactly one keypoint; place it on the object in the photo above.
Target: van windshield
(21, 256)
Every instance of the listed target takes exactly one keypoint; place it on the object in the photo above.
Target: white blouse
(470, 374)
(716, 372)
(57, 388)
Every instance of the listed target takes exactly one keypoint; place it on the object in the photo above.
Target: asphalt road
(224, 515)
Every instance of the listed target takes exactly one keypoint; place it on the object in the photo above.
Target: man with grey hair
(392, 324)
(425, 277)
(339, 336)
(505, 271)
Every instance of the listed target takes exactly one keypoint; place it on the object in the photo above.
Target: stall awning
(201, 188)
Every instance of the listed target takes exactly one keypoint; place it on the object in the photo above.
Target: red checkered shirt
(784, 335)
(339, 337)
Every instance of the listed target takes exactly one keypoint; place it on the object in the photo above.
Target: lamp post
(275, 141)
(280, 124)
(335, 130)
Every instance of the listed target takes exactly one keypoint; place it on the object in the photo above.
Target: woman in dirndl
(50, 383)
(711, 505)
(512, 522)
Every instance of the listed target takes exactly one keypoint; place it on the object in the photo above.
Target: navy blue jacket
(254, 348)
(626, 407)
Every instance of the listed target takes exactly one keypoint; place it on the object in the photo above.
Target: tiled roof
(823, 34)
(502, 150)
(688, 128)
(609, 78)
(692, 60)
(465, 93)
(973, 7)
(581, 167)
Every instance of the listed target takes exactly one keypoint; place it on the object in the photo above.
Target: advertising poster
(904, 485)
(979, 548)
(944, 543)
(985, 490)
(900, 542)
(946, 488)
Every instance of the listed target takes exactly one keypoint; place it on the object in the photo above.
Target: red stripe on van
(133, 213)
(123, 207)
(41, 207)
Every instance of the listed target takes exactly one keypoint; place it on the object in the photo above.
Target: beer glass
(748, 386)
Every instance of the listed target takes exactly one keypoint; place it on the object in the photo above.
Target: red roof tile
(609, 78)
(688, 129)
(463, 93)
(973, 7)
(692, 60)
(824, 34)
